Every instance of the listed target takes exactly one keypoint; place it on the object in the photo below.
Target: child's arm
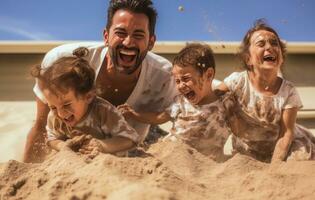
(123, 136)
(111, 145)
(70, 144)
(148, 117)
(287, 133)
(222, 87)
(56, 144)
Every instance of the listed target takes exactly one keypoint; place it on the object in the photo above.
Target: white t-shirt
(258, 119)
(202, 126)
(154, 91)
(101, 125)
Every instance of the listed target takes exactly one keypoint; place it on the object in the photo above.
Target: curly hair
(67, 73)
(197, 55)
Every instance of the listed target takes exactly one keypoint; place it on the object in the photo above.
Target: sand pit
(166, 170)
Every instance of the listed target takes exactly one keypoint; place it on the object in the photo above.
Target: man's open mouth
(127, 56)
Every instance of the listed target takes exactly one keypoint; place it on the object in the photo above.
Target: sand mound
(167, 170)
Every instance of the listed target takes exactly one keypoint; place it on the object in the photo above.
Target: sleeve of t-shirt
(170, 93)
(293, 100)
(114, 123)
(215, 83)
(162, 77)
(232, 80)
(51, 128)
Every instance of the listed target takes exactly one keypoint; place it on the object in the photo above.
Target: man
(126, 71)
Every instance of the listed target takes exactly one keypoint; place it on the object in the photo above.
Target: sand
(167, 170)
(16, 119)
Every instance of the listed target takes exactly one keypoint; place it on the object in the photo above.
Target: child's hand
(74, 143)
(125, 110)
(92, 147)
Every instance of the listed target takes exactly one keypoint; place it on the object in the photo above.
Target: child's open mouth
(190, 95)
(69, 120)
(269, 58)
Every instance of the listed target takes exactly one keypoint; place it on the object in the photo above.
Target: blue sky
(207, 20)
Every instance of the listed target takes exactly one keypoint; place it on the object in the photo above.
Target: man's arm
(33, 151)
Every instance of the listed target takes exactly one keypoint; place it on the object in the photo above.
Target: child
(266, 104)
(78, 119)
(197, 114)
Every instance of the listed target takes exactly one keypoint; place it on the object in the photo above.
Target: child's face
(265, 51)
(68, 107)
(190, 83)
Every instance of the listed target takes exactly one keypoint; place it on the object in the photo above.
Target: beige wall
(15, 81)
(298, 68)
(16, 58)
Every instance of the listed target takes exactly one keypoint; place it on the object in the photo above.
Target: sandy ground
(16, 119)
(167, 170)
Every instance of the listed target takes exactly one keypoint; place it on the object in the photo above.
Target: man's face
(128, 40)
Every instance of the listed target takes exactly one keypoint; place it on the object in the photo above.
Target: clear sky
(207, 20)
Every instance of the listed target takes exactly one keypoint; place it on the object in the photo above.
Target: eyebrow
(186, 76)
(66, 102)
(123, 29)
(139, 31)
(119, 29)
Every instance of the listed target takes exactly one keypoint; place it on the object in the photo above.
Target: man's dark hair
(136, 6)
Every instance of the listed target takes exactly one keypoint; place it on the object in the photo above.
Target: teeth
(269, 58)
(129, 53)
